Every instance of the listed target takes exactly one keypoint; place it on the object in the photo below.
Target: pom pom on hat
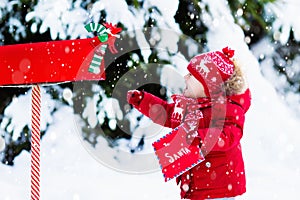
(212, 69)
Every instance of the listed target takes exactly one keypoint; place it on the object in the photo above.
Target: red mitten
(134, 97)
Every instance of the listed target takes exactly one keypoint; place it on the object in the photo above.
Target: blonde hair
(236, 84)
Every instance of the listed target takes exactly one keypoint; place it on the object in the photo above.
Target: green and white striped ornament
(97, 59)
(100, 51)
(100, 29)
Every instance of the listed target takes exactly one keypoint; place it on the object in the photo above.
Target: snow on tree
(279, 56)
(15, 126)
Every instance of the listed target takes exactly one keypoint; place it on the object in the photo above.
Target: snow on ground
(68, 171)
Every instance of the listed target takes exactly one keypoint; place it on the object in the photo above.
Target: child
(217, 96)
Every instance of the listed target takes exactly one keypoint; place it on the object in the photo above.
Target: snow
(2, 144)
(60, 18)
(15, 123)
(264, 51)
(108, 107)
(283, 24)
(70, 169)
(70, 172)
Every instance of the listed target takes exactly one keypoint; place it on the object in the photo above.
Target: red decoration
(113, 28)
(228, 52)
(176, 155)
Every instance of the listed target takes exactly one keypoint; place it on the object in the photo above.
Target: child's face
(193, 89)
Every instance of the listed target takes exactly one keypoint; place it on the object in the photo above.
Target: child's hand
(134, 97)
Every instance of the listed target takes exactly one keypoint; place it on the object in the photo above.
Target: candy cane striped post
(35, 142)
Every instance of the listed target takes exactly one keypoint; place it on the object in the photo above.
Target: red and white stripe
(35, 142)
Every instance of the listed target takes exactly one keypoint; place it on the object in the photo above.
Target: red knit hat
(212, 69)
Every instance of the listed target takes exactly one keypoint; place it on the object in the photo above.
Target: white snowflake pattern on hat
(223, 65)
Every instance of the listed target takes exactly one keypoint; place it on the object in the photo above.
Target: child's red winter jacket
(222, 173)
